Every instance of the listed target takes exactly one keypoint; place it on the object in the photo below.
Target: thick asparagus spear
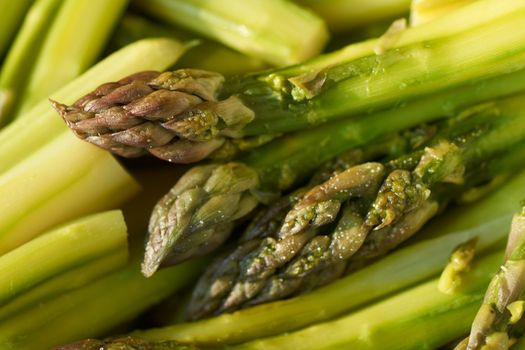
(277, 31)
(177, 112)
(493, 320)
(376, 207)
(207, 54)
(488, 219)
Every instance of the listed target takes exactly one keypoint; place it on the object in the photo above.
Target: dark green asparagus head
(197, 214)
(176, 116)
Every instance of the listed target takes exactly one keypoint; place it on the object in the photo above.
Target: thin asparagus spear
(286, 161)
(490, 326)
(277, 31)
(74, 42)
(23, 54)
(487, 219)
(187, 109)
(385, 205)
(207, 55)
(12, 15)
(21, 138)
(342, 15)
(94, 309)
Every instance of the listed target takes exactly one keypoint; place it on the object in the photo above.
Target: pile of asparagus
(331, 186)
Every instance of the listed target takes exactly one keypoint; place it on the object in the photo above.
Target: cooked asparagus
(173, 118)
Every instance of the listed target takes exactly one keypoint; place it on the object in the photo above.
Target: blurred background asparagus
(414, 121)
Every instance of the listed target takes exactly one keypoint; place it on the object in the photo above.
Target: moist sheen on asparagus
(367, 209)
(188, 115)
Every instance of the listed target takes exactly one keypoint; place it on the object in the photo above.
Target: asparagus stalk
(491, 325)
(12, 14)
(23, 53)
(207, 55)
(375, 206)
(179, 112)
(276, 31)
(43, 189)
(286, 161)
(94, 309)
(77, 243)
(434, 319)
(487, 219)
(341, 15)
(21, 138)
(422, 11)
(71, 46)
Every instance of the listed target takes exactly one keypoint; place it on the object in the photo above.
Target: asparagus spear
(341, 15)
(207, 55)
(71, 46)
(422, 11)
(488, 219)
(176, 118)
(491, 324)
(12, 15)
(94, 309)
(277, 31)
(380, 206)
(23, 53)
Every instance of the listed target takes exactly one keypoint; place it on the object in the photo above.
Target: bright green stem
(41, 124)
(43, 190)
(277, 31)
(419, 318)
(74, 42)
(488, 219)
(11, 16)
(95, 309)
(341, 15)
(408, 70)
(207, 54)
(284, 161)
(423, 11)
(71, 279)
(57, 251)
(23, 53)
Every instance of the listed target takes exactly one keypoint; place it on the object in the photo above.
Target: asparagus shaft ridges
(373, 211)
(197, 214)
(174, 116)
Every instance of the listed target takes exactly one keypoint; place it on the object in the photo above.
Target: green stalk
(487, 219)
(44, 189)
(288, 160)
(430, 317)
(342, 15)
(74, 42)
(276, 31)
(23, 53)
(207, 54)
(423, 11)
(60, 250)
(69, 280)
(22, 138)
(12, 15)
(93, 310)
